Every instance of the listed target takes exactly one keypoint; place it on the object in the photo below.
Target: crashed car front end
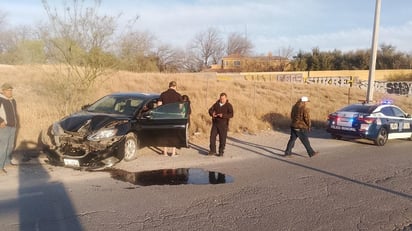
(85, 147)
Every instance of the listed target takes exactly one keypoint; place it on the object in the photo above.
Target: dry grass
(258, 106)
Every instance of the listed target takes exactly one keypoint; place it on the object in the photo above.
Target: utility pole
(372, 66)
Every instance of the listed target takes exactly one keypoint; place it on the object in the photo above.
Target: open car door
(166, 125)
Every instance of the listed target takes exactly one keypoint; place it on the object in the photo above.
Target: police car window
(398, 113)
(387, 111)
(359, 108)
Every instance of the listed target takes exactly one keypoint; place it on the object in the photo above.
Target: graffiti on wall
(390, 87)
(341, 81)
(290, 77)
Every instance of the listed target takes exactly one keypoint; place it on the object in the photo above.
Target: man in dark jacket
(220, 112)
(170, 96)
(8, 124)
(300, 127)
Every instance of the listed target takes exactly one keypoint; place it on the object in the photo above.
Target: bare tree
(208, 45)
(192, 62)
(76, 41)
(137, 51)
(238, 44)
(170, 59)
(285, 54)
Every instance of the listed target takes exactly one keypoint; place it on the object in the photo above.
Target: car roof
(136, 94)
(365, 107)
(360, 107)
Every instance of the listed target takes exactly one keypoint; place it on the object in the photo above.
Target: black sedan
(376, 122)
(114, 128)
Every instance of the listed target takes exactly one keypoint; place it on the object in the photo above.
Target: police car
(376, 122)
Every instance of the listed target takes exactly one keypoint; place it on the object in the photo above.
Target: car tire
(130, 147)
(382, 137)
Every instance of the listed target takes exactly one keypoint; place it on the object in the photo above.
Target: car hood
(91, 121)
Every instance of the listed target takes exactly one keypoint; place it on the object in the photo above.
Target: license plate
(342, 128)
(335, 127)
(71, 162)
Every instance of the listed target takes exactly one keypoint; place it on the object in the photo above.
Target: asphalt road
(350, 185)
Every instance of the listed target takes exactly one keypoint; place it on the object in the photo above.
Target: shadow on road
(200, 149)
(277, 154)
(40, 203)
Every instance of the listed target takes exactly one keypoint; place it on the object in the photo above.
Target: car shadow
(276, 154)
(41, 204)
(357, 141)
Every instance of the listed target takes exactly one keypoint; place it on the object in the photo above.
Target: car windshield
(361, 108)
(126, 105)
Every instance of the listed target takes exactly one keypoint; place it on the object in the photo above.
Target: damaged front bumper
(78, 152)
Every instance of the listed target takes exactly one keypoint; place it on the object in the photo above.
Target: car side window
(127, 106)
(170, 111)
(387, 111)
(398, 113)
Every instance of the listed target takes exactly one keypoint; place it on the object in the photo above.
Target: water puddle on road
(171, 177)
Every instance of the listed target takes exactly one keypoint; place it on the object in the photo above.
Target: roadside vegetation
(259, 106)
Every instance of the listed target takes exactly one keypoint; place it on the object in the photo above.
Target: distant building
(239, 63)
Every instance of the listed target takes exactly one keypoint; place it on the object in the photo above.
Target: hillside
(258, 105)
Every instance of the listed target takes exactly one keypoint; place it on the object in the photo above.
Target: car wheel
(130, 147)
(382, 137)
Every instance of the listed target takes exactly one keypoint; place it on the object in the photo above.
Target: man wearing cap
(300, 127)
(8, 124)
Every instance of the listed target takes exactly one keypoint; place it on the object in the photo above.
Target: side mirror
(147, 115)
(408, 115)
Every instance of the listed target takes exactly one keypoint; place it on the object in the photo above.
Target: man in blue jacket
(8, 124)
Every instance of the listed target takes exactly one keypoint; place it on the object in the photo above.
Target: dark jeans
(221, 130)
(303, 137)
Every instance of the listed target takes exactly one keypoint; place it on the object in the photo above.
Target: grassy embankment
(258, 106)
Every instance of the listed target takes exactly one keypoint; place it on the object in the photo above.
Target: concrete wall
(357, 79)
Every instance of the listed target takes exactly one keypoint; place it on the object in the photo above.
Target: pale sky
(270, 24)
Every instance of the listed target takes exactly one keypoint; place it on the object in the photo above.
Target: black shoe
(211, 153)
(313, 154)
(288, 154)
(219, 154)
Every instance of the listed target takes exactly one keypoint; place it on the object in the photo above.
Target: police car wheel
(382, 137)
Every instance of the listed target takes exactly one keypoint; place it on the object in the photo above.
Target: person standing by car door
(8, 124)
(300, 127)
(221, 112)
(166, 97)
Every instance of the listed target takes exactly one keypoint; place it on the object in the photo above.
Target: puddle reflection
(171, 177)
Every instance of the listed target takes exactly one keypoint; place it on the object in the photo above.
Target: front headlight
(102, 134)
